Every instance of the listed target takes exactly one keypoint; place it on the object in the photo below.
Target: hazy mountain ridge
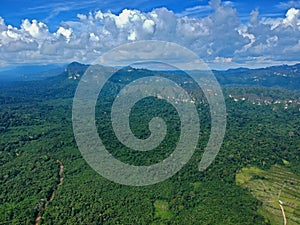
(30, 72)
(284, 76)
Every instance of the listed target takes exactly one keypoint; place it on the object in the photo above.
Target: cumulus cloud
(65, 33)
(292, 18)
(272, 39)
(220, 38)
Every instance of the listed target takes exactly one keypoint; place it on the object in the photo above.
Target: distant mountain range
(30, 72)
(283, 76)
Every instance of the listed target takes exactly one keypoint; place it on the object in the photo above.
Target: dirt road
(283, 214)
(60, 173)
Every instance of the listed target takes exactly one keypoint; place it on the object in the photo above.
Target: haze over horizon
(224, 34)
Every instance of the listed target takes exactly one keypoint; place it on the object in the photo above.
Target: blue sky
(223, 33)
(56, 11)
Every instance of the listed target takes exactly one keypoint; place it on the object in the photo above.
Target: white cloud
(292, 18)
(132, 36)
(65, 32)
(149, 26)
(254, 17)
(2, 24)
(222, 60)
(12, 33)
(35, 29)
(273, 35)
(218, 38)
(94, 37)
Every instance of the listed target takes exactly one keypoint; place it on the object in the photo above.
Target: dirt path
(61, 170)
(37, 219)
(283, 214)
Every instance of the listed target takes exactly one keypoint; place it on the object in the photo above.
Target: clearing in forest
(271, 187)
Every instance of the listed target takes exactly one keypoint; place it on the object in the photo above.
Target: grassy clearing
(269, 187)
(162, 209)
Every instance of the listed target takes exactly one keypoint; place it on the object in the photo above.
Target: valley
(257, 166)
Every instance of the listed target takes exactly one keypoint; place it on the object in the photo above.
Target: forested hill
(38, 151)
(284, 76)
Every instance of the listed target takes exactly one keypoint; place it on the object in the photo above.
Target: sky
(224, 34)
